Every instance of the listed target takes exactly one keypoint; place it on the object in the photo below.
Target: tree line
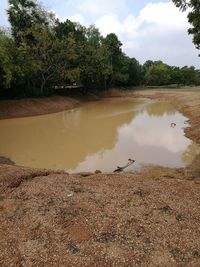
(40, 52)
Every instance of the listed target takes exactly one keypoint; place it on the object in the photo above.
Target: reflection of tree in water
(160, 108)
(189, 155)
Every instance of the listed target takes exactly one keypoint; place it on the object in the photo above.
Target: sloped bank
(38, 106)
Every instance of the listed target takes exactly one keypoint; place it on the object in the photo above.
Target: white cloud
(110, 23)
(152, 17)
(76, 18)
(102, 7)
(163, 14)
(158, 32)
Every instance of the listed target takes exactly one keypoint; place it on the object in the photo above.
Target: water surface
(100, 135)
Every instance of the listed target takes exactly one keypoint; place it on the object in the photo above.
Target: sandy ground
(151, 218)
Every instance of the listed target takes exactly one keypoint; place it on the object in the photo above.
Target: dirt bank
(37, 106)
(150, 218)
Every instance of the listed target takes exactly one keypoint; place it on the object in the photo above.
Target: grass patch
(197, 173)
(2, 198)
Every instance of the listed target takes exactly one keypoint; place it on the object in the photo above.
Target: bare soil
(151, 218)
(36, 106)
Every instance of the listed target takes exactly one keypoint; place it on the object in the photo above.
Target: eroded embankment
(38, 106)
(149, 218)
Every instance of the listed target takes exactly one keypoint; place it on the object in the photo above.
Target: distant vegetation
(40, 52)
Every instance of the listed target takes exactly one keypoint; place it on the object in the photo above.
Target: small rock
(70, 194)
(74, 248)
(97, 172)
(180, 217)
(85, 174)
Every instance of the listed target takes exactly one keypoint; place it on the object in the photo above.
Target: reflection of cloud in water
(148, 139)
(148, 130)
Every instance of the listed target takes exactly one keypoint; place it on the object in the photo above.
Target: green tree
(115, 56)
(148, 64)
(48, 60)
(145, 67)
(176, 75)
(135, 72)
(7, 50)
(63, 29)
(130, 72)
(121, 74)
(94, 64)
(189, 75)
(23, 14)
(158, 74)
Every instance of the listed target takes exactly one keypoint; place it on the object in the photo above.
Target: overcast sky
(154, 29)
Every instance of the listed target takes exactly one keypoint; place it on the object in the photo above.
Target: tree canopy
(40, 52)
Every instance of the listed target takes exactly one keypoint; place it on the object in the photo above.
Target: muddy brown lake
(100, 135)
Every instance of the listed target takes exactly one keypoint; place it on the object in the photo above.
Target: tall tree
(135, 72)
(22, 14)
(63, 29)
(94, 64)
(130, 72)
(49, 60)
(69, 30)
(189, 75)
(6, 61)
(176, 75)
(115, 55)
(158, 74)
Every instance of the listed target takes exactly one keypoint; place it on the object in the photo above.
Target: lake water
(100, 135)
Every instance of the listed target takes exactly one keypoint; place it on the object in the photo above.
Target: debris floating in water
(120, 169)
(173, 124)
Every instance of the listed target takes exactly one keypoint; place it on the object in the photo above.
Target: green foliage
(176, 75)
(135, 72)
(64, 29)
(189, 76)
(22, 15)
(94, 64)
(2, 197)
(43, 52)
(115, 57)
(129, 73)
(157, 74)
(6, 61)
(49, 60)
